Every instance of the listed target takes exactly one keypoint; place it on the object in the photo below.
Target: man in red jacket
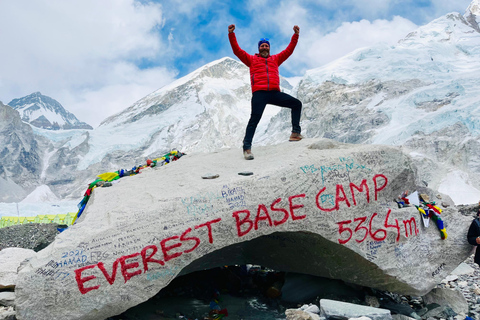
(265, 81)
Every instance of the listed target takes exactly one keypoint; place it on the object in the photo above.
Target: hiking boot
(248, 154)
(295, 136)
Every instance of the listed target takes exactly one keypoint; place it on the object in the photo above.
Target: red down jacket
(263, 71)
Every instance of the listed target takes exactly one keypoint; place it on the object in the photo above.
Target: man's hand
(478, 240)
(231, 28)
(296, 29)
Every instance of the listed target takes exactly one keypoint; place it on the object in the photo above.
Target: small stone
(450, 278)
(245, 173)
(372, 301)
(312, 309)
(210, 176)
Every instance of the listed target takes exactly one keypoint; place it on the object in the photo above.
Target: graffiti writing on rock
(200, 204)
(360, 229)
(372, 249)
(73, 257)
(339, 171)
(139, 262)
(245, 223)
(156, 260)
(235, 197)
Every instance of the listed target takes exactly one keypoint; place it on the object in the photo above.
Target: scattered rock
(445, 297)
(372, 301)
(330, 308)
(10, 259)
(463, 269)
(296, 314)
(7, 313)
(210, 176)
(7, 299)
(35, 236)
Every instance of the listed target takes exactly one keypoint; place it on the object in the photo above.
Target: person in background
(473, 236)
(265, 81)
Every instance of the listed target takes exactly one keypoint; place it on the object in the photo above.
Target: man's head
(264, 47)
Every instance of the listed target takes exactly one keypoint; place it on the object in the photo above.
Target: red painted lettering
(338, 198)
(184, 237)
(81, 281)
(209, 226)
(342, 229)
(296, 206)
(166, 248)
(110, 279)
(148, 259)
(374, 234)
(126, 266)
(380, 234)
(362, 220)
(395, 226)
(359, 189)
(259, 217)
(240, 222)
(377, 188)
(409, 222)
(285, 213)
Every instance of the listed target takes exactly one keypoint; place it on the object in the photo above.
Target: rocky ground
(469, 286)
(35, 236)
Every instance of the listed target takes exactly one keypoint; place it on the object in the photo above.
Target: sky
(99, 57)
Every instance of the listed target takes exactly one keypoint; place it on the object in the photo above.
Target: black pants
(259, 100)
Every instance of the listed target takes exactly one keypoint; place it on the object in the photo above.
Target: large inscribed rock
(314, 206)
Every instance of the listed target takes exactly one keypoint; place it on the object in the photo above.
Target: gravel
(35, 236)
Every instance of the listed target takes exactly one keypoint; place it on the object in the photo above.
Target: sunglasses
(264, 39)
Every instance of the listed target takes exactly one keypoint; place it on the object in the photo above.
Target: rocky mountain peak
(474, 7)
(47, 113)
(472, 14)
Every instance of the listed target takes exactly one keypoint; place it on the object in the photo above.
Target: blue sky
(99, 57)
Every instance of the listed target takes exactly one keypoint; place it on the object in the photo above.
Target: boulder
(7, 298)
(7, 313)
(10, 259)
(296, 314)
(402, 317)
(447, 297)
(317, 207)
(329, 308)
(463, 269)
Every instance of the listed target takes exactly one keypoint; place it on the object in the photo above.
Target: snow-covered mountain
(20, 156)
(47, 113)
(422, 94)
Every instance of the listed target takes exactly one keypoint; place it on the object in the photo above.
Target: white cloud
(316, 45)
(96, 104)
(79, 49)
(315, 49)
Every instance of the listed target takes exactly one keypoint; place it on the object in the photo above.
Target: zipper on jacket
(268, 79)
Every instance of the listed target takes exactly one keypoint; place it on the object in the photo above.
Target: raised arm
(296, 29)
(282, 56)
(239, 52)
